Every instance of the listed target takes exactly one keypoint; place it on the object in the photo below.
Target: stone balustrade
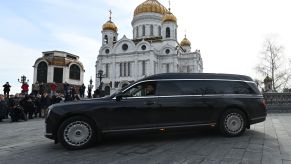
(278, 102)
(277, 98)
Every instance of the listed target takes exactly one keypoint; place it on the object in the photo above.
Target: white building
(58, 67)
(153, 49)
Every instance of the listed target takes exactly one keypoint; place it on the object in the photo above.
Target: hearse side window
(231, 87)
(183, 87)
(169, 88)
(142, 89)
(254, 88)
(241, 88)
(202, 87)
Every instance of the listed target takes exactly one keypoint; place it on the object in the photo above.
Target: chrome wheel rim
(233, 123)
(77, 133)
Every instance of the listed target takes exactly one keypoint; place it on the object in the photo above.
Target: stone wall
(278, 102)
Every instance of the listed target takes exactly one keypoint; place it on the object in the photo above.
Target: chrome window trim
(200, 80)
(141, 97)
(217, 96)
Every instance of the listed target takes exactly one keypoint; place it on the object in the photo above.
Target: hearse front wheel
(77, 133)
(233, 123)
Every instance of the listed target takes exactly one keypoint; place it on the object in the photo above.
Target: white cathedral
(154, 48)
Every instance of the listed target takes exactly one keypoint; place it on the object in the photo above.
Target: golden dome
(185, 42)
(169, 17)
(109, 25)
(267, 79)
(150, 6)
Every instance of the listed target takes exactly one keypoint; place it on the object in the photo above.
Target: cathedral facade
(153, 49)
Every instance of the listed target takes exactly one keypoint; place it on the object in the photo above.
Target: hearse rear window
(202, 87)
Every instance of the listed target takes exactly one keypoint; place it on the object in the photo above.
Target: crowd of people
(24, 106)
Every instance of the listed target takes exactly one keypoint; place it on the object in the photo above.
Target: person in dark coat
(45, 103)
(82, 91)
(15, 111)
(54, 99)
(35, 88)
(11, 106)
(28, 106)
(66, 89)
(3, 108)
(73, 92)
(41, 88)
(96, 93)
(37, 111)
(6, 89)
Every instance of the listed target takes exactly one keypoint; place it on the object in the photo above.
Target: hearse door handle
(149, 102)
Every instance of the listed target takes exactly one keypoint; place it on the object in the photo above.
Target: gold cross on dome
(110, 13)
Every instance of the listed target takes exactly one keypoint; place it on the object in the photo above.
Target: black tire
(77, 132)
(232, 123)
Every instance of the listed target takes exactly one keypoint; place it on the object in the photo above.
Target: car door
(133, 111)
(181, 104)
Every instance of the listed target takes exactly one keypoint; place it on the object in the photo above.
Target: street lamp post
(90, 87)
(100, 75)
(23, 80)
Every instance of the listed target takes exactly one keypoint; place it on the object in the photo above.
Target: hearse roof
(198, 76)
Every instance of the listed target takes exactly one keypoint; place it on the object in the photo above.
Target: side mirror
(118, 97)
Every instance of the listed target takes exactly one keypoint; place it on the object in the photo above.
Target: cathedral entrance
(58, 75)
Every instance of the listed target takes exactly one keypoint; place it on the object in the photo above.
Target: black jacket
(6, 87)
(3, 109)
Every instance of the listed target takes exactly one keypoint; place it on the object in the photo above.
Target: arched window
(168, 32)
(137, 34)
(143, 30)
(75, 72)
(105, 39)
(42, 72)
(152, 30)
(114, 40)
(160, 31)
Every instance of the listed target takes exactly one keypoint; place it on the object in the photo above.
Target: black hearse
(163, 101)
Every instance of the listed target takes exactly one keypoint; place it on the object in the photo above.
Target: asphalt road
(268, 142)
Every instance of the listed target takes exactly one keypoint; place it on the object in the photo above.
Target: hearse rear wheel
(233, 123)
(77, 133)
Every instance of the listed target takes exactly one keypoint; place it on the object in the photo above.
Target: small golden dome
(150, 6)
(267, 79)
(109, 25)
(185, 42)
(169, 17)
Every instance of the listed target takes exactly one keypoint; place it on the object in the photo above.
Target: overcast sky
(229, 34)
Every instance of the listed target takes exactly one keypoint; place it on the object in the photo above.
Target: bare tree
(273, 65)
